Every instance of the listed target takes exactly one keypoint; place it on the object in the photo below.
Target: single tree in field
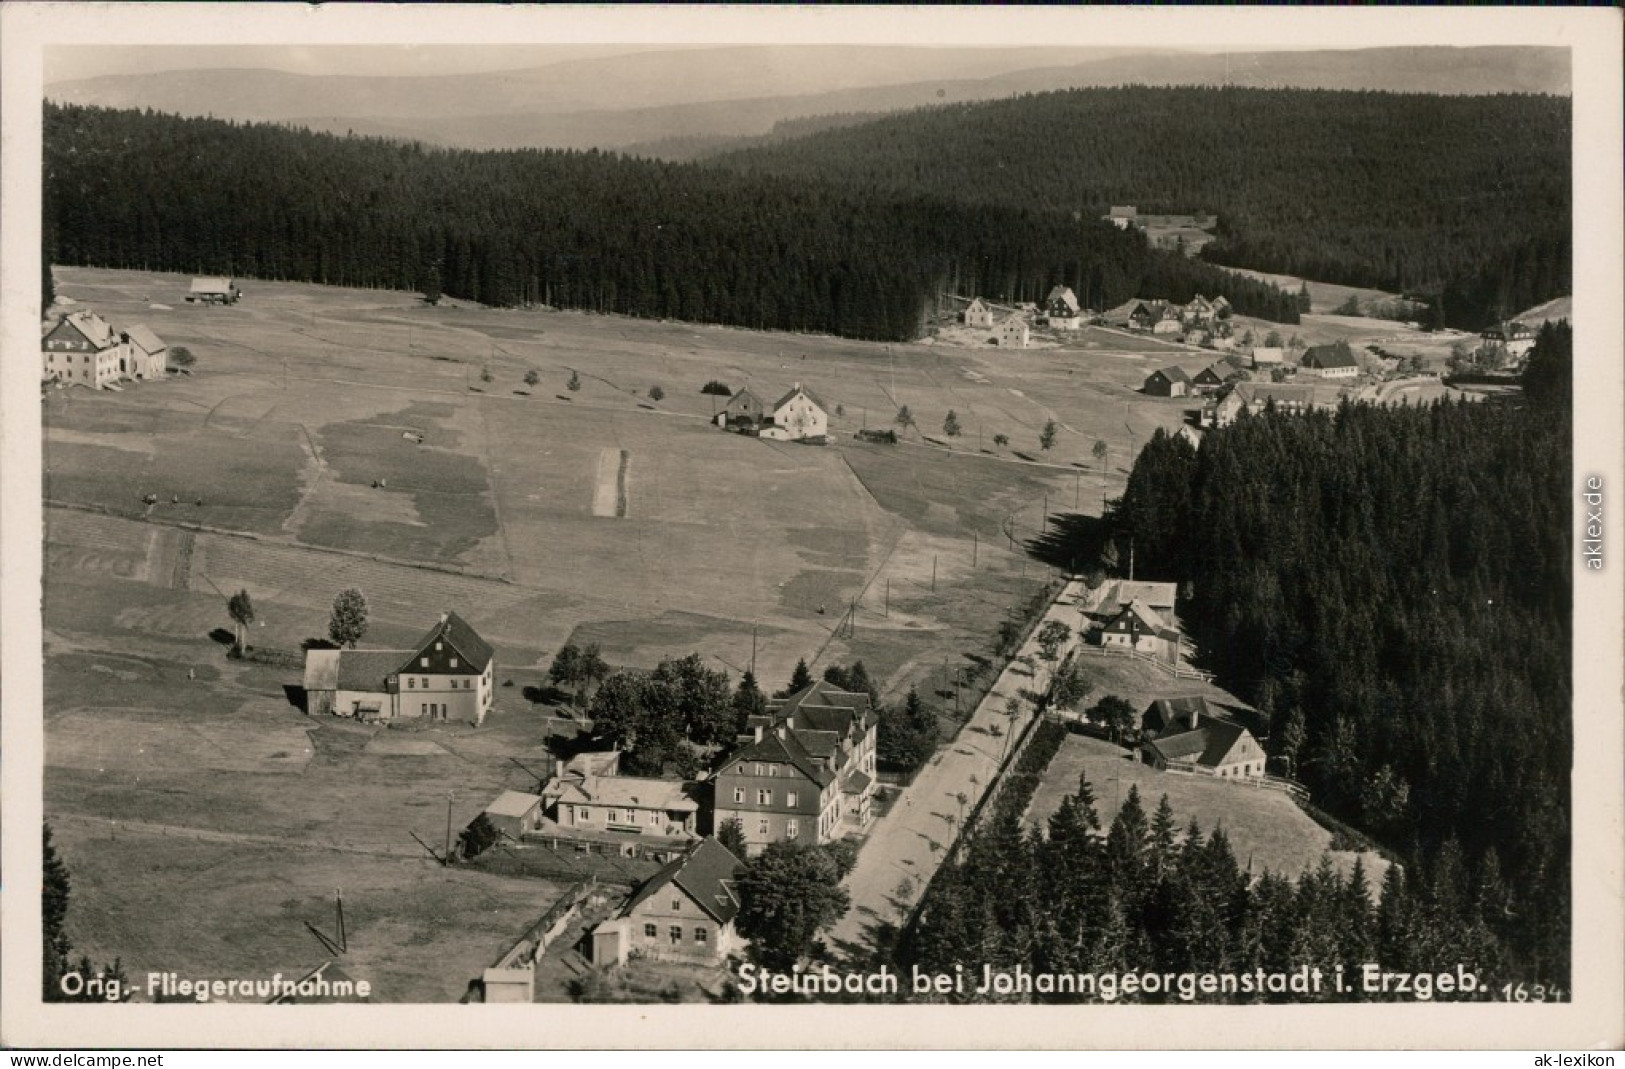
(575, 381)
(532, 376)
(656, 393)
(348, 624)
(485, 374)
(565, 670)
(430, 283)
(1272, 340)
(1001, 439)
(1101, 451)
(904, 418)
(787, 895)
(241, 609)
(1046, 437)
(731, 834)
(950, 424)
(181, 356)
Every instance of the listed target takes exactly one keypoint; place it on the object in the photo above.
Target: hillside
(1406, 193)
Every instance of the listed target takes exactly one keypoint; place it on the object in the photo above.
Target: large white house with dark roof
(798, 414)
(446, 676)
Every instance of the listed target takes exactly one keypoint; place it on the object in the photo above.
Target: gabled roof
(820, 706)
(783, 749)
(96, 330)
(1260, 393)
(1214, 372)
(856, 783)
(146, 339)
(976, 302)
(705, 874)
(1166, 714)
(1014, 319)
(1144, 591)
(1327, 356)
(453, 629)
(791, 396)
(1209, 744)
(633, 792)
(1173, 374)
(1124, 211)
(1150, 622)
(513, 804)
(211, 284)
(743, 397)
(1268, 354)
(1065, 295)
(369, 669)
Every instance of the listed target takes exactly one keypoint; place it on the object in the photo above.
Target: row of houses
(83, 349)
(797, 416)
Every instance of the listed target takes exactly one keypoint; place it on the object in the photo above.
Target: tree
(684, 691)
(717, 387)
(950, 424)
(787, 895)
(1349, 307)
(1069, 685)
(1046, 437)
(748, 701)
(1101, 451)
(656, 393)
(591, 669)
(731, 834)
(477, 838)
(1051, 636)
(53, 916)
(1108, 555)
(241, 610)
(1001, 440)
(430, 283)
(904, 418)
(485, 373)
(348, 624)
(800, 679)
(565, 671)
(575, 381)
(1114, 714)
(532, 376)
(1272, 340)
(181, 356)
(854, 679)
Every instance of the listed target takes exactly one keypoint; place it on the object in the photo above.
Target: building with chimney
(447, 676)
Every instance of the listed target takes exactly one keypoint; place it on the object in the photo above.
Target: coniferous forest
(1462, 199)
(587, 230)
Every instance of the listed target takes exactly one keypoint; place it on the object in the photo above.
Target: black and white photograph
(770, 516)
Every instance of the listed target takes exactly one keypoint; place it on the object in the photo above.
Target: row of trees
(1148, 897)
(1390, 587)
(1405, 192)
(127, 189)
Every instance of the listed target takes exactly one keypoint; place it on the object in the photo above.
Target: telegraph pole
(753, 650)
(448, 829)
(975, 544)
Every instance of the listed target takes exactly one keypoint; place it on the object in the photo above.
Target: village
(647, 866)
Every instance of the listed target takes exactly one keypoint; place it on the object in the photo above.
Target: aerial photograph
(804, 523)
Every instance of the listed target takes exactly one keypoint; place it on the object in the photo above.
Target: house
(1167, 382)
(798, 415)
(626, 805)
(978, 314)
(1210, 378)
(1171, 715)
(1146, 315)
(1255, 397)
(149, 355)
(83, 349)
(1329, 362)
(1169, 321)
(1061, 309)
(807, 770)
(446, 676)
(743, 411)
(1137, 627)
(1268, 356)
(684, 912)
(1198, 337)
(1221, 307)
(1122, 217)
(513, 813)
(1200, 311)
(214, 290)
(1516, 338)
(1013, 333)
(1202, 743)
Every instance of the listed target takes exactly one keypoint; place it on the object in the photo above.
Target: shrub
(720, 389)
(656, 393)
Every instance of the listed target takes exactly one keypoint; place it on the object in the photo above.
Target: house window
(454, 662)
(437, 647)
(772, 770)
(759, 771)
(700, 936)
(763, 830)
(676, 905)
(790, 799)
(614, 816)
(423, 709)
(676, 934)
(411, 684)
(650, 931)
(792, 828)
(764, 797)
(583, 814)
(423, 662)
(739, 794)
(654, 819)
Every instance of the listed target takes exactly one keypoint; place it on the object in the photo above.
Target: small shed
(1168, 382)
(213, 289)
(513, 813)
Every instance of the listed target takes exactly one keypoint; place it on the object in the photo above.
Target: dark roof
(706, 874)
(1207, 745)
(367, 669)
(820, 706)
(1324, 356)
(743, 397)
(463, 638)
(856, 783)
(1065, 295)
(783, 749)
(1165, 713)
(1173, 374)
(798, 388)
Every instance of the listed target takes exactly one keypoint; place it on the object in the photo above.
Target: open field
(289, 464)
(1266, 828)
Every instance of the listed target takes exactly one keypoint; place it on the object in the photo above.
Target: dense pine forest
(126, 189)
(1463, 199)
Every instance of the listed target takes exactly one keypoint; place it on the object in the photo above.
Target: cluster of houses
(83, 349)
(798, 416)
(1186, 233)
(1009, 328)
(1201, 321)
(1323, 374)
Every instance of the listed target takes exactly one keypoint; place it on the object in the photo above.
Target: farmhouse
(1188, 737)
(1138, 628)
(742, 412)
(513, 813)
(214, 290)
(1122, 217)
(626, 805)
(1210, 378)
(1061, 309)
(1145, 315)
(1329, 362)
(1268, 356)
(1254, 397)
(1516, 338)
(807, 771)
(1158, 596)
(1013, 333)
(82, 348)
(684, 912)
(796, 416)
(149, 356)
(1168, 382)
(447, 676)
(978, 314)
(1169, 322)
